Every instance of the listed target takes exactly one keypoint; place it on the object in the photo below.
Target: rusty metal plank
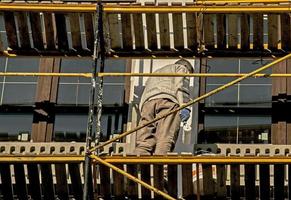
(232, 31)
(11, 30)
(191, 24)
(258, 35)
(208, 22)
(114, 32)
(235, 181)
(47, 182)
(36, 30)
(221, 181)
(158, 179)
(49, 31)
(250, 182)
(146, 177)
(273, 31)
(245, 31)
(62, 191)
(21, 186)
(23, 29)
(264, 171)
(126, 31)
(285, 31)
(75, 30)
(89, 30)
(7, 190)
(138, 31)
(131, 187)
(164, 31)
(221, 31)
(34, 181)
(61, 29)
(75, 176)
(279, 171)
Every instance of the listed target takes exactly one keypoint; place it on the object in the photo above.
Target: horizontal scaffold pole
(132, 8)
(170, 159)
(109, 74)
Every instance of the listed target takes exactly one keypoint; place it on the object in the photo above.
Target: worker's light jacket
(174, 88)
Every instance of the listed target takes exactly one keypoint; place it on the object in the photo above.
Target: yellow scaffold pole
(116, 8)
(129, 176)
(193, 101)
(127, 74)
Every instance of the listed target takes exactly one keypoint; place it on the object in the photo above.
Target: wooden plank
(235, 181)
(164, 31)
(21, 189)
(279, 85)
(138, 31)
(208, 21)
(55, 80)
(75, 176)
(208, 181)
(285, 31)
(250, 182)
(178, 29)
(289, 180)
(47, 182)
(89, 30)
(158, 179)
(232, 31)
(258, 36)
(173, 181)
(114, 32)
(61, 28)
(279, 182)
(36, 30)
(62, 191)
(187, 182)
(7, 190)
(221, 181)
(23, 29)
(11, 30)
(34, 181)
(49, 31)
(245, 31)
(273, 31)
(264, 172)
(151, 31)
(221, 31)
(126, 32)
(105, 185)
(131, 186)
(118, 183)
(146, 177)
(288, 71)
(191, 23)
(279, 130)
(75, 30)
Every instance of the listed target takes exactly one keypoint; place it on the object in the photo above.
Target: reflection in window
(236, 129)
(241, 94)
(72, 127)
(76, 90)
(20, 130)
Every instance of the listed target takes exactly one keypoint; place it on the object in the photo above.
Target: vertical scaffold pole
(99, 54)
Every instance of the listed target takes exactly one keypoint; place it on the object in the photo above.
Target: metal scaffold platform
(82, 171)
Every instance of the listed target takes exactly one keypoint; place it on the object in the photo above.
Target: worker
(160, 96)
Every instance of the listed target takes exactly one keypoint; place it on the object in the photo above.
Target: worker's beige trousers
(159, 137)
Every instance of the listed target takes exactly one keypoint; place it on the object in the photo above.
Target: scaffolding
(99, 54)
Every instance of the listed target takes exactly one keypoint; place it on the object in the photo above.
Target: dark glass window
(72, 127)
(77, 90)
(252, 94)
(236, 129)
(14, 126)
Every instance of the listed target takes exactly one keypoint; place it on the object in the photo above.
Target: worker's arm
(182, 83)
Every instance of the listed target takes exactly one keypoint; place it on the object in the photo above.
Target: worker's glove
(184, 114)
